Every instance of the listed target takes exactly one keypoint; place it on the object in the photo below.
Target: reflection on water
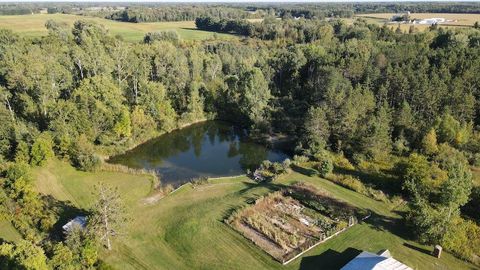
(210, 148)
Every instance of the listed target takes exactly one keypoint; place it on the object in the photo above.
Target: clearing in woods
(34, 26)
(186, 229)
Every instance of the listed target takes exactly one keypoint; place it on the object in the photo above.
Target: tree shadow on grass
(329, 259)
(394, 225)
(304, 171)
(65, 211)
(419, 249)
(271, 186)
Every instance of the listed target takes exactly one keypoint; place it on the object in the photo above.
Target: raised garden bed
(290, 221)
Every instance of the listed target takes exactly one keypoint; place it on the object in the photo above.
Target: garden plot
(287, 222)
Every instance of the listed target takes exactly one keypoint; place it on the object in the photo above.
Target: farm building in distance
(409, 18)
(430, 21)
(369, 261)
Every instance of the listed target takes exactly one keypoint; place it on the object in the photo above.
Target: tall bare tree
(108, 216)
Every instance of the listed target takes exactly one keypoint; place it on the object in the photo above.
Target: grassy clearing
(185, 230)
(8, 232)
(34, 26)
(476, 176)
(65, 183)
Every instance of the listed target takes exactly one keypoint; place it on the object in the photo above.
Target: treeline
(18, 8)
(180, 13)
(314, 11)
(426, 7)
(239, 27)
(361, 90)
(292, 30)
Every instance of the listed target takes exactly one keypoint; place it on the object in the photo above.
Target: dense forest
(361, 91)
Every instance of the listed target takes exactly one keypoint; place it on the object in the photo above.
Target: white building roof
(370, 261)
(80, 221)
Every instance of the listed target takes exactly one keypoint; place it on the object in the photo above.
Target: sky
(231, 1)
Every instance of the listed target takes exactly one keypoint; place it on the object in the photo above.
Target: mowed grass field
(185, 230)
(34, 26)
(8, 232)
(476, 176)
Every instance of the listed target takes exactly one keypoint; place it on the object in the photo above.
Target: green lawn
(63, 182)
(34, 26)
(185, 230)
(8, 232)
(476, 176)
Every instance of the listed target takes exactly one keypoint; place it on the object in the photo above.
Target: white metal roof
(80, 221)
(370, 261)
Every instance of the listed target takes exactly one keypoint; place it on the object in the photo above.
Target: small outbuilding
(370, 261)
(79, 221)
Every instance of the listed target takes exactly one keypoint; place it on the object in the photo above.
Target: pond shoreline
(210, 149)
(105, 158)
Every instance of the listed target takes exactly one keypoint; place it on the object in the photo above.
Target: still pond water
(210, 149)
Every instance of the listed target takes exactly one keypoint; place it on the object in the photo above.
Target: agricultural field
(457, 20)
(186, 229)
(34, 26)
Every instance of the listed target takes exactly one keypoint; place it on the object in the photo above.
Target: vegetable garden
(288, 222)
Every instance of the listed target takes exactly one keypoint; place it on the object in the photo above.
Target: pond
(211, 149)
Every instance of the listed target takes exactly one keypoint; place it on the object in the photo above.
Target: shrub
(358, 158)
(342, 162)
(269, 171)
(476, 160)
(297, 160)
(167, 189)
(171, 36)
(202, 180)
(286, 164)
(356, 185)
(324, 167)
(82, 155)
(463, 239)
(321, 155)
